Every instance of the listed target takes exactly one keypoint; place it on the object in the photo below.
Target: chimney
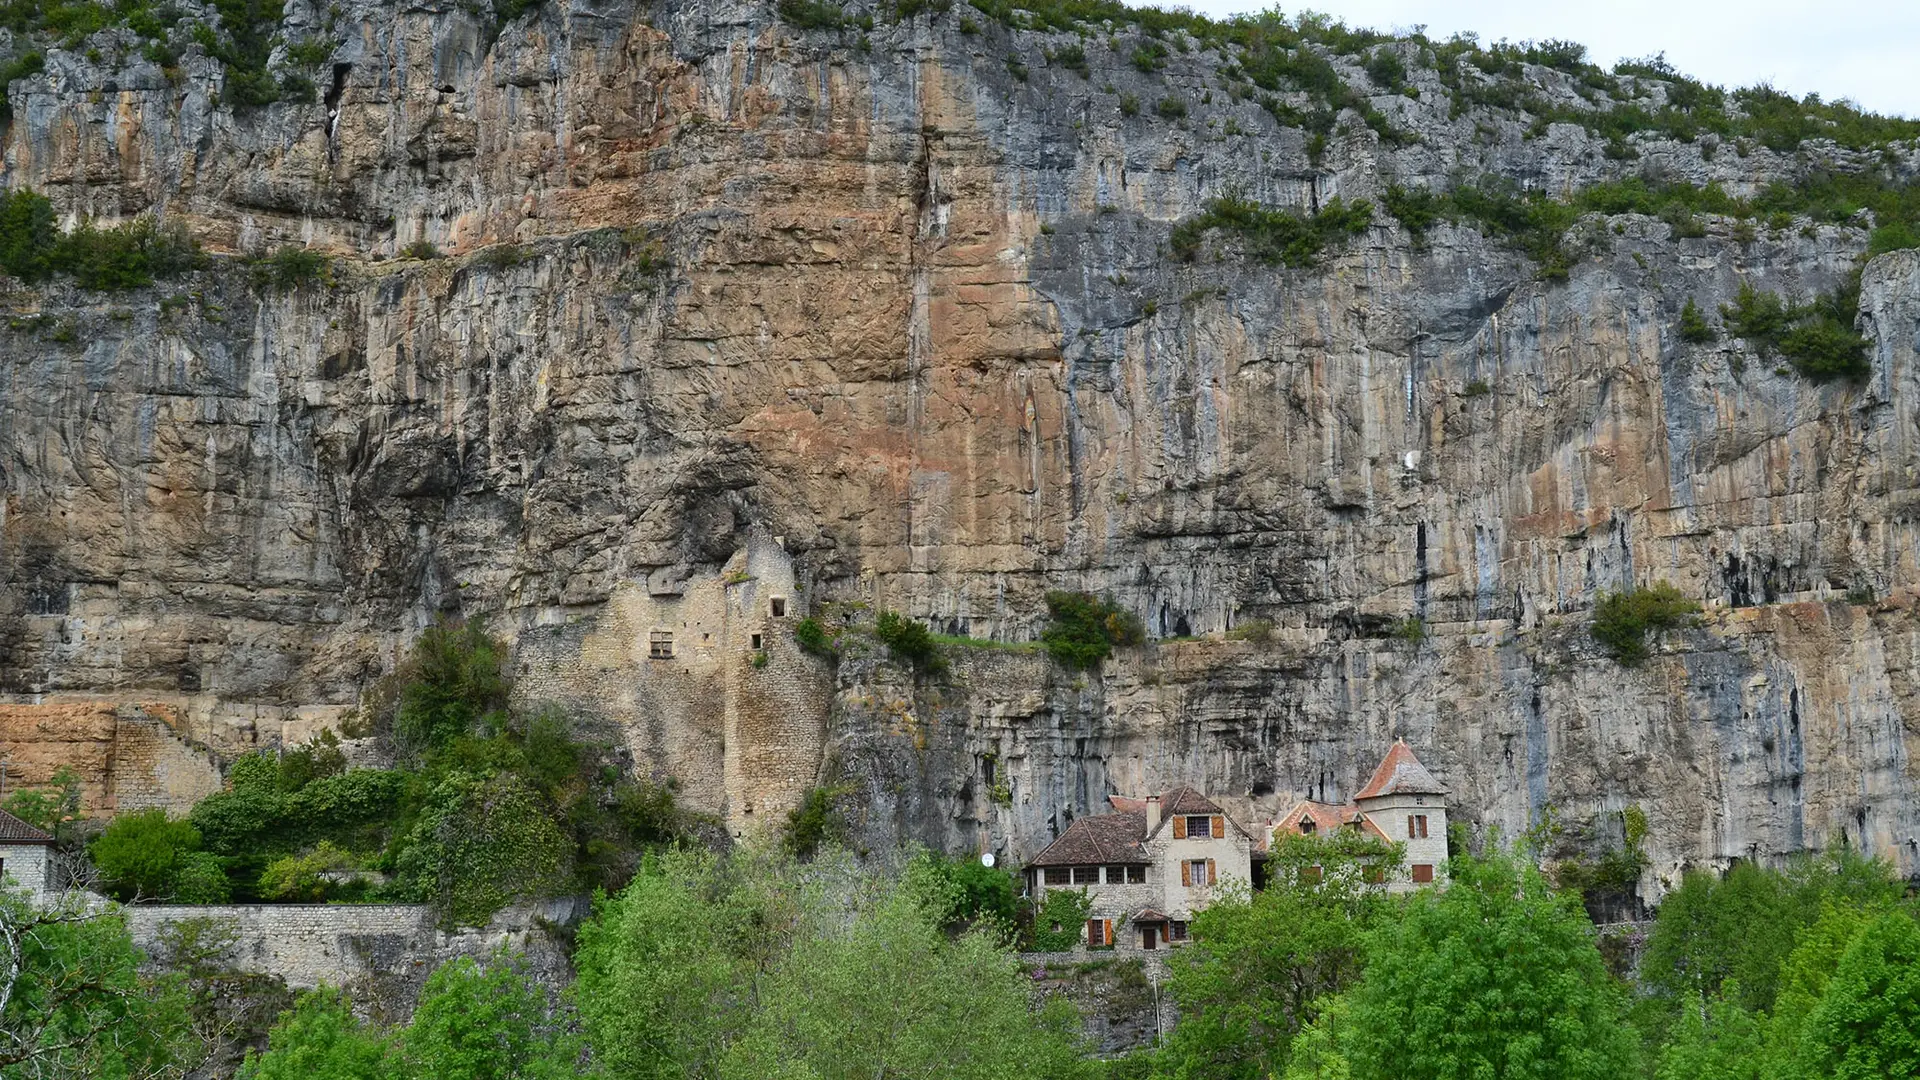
(1153, 813)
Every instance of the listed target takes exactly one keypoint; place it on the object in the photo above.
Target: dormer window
(1307, 827)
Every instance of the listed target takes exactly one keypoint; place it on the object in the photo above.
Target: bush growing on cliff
(1084, 629)
(1817, 338)
(813, 638)
(909, 641)
(1693, 325)
(451, 682)
(1274, 236)
(290, 267)
(1622, 620)
(815, 823)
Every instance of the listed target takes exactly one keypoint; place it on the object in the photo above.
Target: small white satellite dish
(986, 858)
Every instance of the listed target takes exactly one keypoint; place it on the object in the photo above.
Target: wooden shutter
(1219, 827)
(1180, 827)
(1186, 873)
(1109, 933)
(1212, 876)
(1093, 931)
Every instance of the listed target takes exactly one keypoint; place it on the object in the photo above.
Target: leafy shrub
(146, 854)
(1129, 105)
(1073, 58)
(817, 821)
(1386, 69)
(501, 257)
(1274, 236)
(128, 256)
(909, 641)
(1150, 56)
(1818, 339)
(28, 233)
(975, 892)
(812, 637)
(453, 680)
(1171, 108)
(301, 877)
(482, 842)
(420, 249)
(1417, 209)
(1622, 620)
(290, 267)
(1693, 325)
(1084, 630)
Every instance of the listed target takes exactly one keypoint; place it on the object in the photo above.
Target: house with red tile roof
(1146, 867)
(1401, 803)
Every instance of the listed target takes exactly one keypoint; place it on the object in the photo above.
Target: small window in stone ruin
(779, 607)
(1057, 875)
(660, 645)
(756, 641)
(1136, 875)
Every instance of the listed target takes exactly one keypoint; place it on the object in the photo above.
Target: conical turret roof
(1400, 773)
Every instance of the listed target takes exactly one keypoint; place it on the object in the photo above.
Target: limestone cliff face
(890, 325)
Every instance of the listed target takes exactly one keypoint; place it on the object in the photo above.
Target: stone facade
(26, 866)
(699, 672)
(1146, 873)
(129, 756)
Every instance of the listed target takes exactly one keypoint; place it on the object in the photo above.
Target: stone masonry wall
(382, 953)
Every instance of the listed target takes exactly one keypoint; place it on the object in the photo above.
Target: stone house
(1147, 867)
(1401, 803)
(26, 857)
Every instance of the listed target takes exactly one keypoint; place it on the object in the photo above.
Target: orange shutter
(1212, 876)
(1180, 827)
(1186, 873)
(1109, 939)
(1219, 827)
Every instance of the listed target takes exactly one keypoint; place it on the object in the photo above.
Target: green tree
(320, 1039)
(891, 994)
(1867, 1025)
(145, 854)
(1743, 925)
(663, 968)
(1262, 963)
(484, 1022)
(1716, 1039)
(73, 1002)
(1494, 978)
(1622, 620)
